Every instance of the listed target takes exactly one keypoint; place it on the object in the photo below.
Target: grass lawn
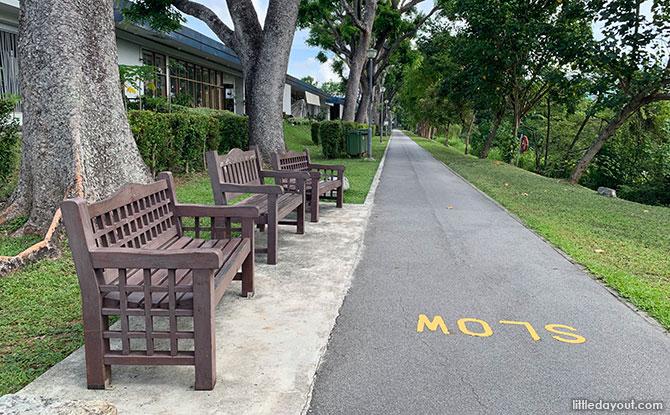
(40, 305)
(625, 244)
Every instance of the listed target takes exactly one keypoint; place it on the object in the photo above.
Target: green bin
(356, 142)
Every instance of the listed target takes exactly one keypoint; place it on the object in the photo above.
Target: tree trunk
(446, 139)
(76, 137)
(492, 134)
(362, 110)
(546, 140)
(264, 68)
(467, 135)
(358, 61)
(608, 132)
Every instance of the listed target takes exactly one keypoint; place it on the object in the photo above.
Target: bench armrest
(205, 258)
(207, 211)
(338, 167)
(315, 174)
(285, 174)
(268, 189)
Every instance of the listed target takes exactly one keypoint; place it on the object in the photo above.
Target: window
(201, 86)
(157, 60)
(10, 65)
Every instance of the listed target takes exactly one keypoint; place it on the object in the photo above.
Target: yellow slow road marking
(485, 326)
(530, 328)
(486, 331)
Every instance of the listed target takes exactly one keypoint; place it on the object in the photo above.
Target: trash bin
(356, 142)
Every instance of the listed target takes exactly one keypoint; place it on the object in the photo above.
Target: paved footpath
(475, 262)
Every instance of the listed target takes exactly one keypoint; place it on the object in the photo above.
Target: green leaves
(158, 14)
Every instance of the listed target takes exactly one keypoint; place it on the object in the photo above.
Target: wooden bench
(326, 181)
(133, 259)
(239, 172)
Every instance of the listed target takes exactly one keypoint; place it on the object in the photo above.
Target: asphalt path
(501, 292)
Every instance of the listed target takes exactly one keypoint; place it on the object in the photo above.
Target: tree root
(49, 247)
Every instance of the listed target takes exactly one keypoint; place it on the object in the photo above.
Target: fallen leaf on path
(450, 207)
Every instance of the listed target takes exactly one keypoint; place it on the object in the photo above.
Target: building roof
(195, 42)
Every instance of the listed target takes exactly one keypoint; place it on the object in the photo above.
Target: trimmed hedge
(177, 141)
(332, 139)
(332, 135)
(9, 139)
(315, 132)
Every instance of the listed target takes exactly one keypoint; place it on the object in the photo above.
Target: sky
(303, 58)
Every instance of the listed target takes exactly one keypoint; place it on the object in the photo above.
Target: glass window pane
(174, 86)
(147, 58)
(205, 75)
(159, 63)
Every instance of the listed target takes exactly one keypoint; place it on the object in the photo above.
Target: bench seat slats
(183, 277)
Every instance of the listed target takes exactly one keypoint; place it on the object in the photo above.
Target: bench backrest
(291, 160)
(135, 216)
(236, 167)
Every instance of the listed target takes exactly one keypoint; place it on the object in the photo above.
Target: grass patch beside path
(359, 172)
(195, 188)
(40, 305)
(634, 238)
(40, 321)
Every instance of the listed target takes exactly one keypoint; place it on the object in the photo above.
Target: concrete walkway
(498, 288)
(267, 348)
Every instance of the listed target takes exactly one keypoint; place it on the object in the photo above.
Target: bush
(649, 194)
(331, 134)
(315, 132)
(9, 138)
(177, 141)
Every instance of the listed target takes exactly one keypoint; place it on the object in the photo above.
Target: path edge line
(369, 202)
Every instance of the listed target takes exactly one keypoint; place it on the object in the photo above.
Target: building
(191, 67)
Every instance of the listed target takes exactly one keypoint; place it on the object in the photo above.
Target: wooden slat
(184, 358)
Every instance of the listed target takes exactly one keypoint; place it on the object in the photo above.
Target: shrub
(9, 138)
(233, 131)
(332, 138)
(177, 141)
(315, 132)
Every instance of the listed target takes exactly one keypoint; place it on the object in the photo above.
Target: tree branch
(412, 3)
(339, 44)
(352, 14)
(201, 12)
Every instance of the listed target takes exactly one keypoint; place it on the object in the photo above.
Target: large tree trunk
(265, 76)
(362, 109)
(76, 138)
(358, 61)
(604, 135)
(492, 134)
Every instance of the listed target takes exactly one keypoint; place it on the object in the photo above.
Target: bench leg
(301, 218)
(314, 206)
(340, 196)
(272, 230)
(98, 375)
(248, 275)
(204, 329)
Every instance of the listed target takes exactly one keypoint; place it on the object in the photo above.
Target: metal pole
(370, 69)
(381, 126)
